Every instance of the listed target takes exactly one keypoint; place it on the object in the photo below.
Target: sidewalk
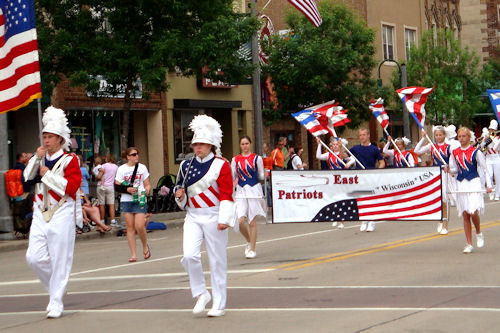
(172, 220)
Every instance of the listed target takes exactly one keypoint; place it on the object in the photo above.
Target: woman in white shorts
(248, 169)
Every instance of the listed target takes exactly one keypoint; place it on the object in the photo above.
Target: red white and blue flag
(378, 111)
(414, 98)
(19, 69)
(420, 202)
(309, 9)
(494, 95)
(322, 118)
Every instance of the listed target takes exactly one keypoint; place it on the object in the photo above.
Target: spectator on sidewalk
(105, 188)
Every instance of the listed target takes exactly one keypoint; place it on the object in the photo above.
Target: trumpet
(483, 142)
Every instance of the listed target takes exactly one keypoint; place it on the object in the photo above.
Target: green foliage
(315, 65)
(123, 40)
(456, 73)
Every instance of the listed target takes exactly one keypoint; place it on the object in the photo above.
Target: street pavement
(307, 277)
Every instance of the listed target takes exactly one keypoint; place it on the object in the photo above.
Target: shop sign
(108, 90)
(209, 83)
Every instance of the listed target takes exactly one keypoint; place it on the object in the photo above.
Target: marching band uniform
(450, 139)
(493, 160)
(208, 201)
(249, 170)
(398, 160)
(334, 162)
(52, 237)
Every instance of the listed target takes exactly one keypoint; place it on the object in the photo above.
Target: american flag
(494, 95)
(414, 98)
(19, 69)
(309, 9)
(377, 108)
(420, 201)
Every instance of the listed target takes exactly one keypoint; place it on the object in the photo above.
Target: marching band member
(397, 156)
(56, 209)
(205, 189)
(451, 134)
(334, 161)
(467, 162)
(493, 159)
(441, 148)
(248, 169)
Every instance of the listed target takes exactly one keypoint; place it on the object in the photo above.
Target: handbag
(123, 188)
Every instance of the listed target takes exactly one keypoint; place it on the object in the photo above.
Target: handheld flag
(306, 117)
(378, 111)
(309, 9)
(494, 95)
(414, 98)
(19, 69)
(322, 118)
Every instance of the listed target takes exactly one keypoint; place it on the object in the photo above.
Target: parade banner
(407, 194)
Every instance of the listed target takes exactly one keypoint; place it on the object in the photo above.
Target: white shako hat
(493, 125)
(450, 131)
(206, 130)
(54, 121)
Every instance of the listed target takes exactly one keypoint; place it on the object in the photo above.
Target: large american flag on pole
(19, 68)
(378, 111)
(418, 202)
(414, 98)
(309, 9)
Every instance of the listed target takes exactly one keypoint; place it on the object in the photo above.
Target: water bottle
(142, 200)
(135, 196)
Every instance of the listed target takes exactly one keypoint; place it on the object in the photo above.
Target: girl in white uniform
(397, 156)
(205, 189)
(467, 162)
(248, 169)
(493, 159)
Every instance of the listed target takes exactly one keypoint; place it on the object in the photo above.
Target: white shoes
(53, 314)
(363, 226)
(371, 227)
(341, 225)
(334, 224)
(203, 299)
(216, 313)
(468, 248)
(480, 240)
(443, 231)
(251, 254)
(247, 249)
(440, 227)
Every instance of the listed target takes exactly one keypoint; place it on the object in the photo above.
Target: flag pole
(438, 153)
(361, 164)
(39, 103)
(397, 148)
(328, 148)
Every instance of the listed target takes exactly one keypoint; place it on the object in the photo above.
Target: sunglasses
(133, 154)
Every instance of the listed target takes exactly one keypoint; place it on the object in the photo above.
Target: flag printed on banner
(19, 68)
(309, 9)
(418, 202)
(308, 120)
(378, 111)
(494, 95)
(414, 98)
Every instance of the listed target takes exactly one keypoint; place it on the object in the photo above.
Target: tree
(314, 65)
(455, 71)
(126, 40)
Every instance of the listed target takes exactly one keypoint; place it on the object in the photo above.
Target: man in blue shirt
(369, 155)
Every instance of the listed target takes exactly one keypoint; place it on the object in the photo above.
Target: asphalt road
(403, 277)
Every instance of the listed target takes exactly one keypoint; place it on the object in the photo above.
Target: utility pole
(257, 100)
(6, 223)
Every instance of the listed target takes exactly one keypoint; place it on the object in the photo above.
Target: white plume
(206, 130)
(54, 121)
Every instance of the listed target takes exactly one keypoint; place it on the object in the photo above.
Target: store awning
(205, 104)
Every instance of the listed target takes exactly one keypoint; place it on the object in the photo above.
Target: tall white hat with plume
(451, 131)
(54, 121)
(493, 125)
(206, 130)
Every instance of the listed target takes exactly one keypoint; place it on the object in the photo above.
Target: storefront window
(182, 133)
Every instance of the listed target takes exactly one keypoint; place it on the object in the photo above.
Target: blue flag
(494, 95)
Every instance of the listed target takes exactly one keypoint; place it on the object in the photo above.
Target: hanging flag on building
(414, 98)
(309, 9)
(19, 68)
(494, 95)
(378, 111)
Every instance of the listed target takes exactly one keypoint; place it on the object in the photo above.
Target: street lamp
(402, 79)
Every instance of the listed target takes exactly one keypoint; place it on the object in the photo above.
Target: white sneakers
(480, 240)
(468, 248)
(339, 225)
(443, 231)
(251, 254)
(216, 313)
(440, 227)
(53, 314)
(363, 226)
(247, 248)
(334, 224)
(203, 300)
(371, 226)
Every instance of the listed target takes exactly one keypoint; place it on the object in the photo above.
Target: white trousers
(493, 165)
(198, 226)
(50, 251)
